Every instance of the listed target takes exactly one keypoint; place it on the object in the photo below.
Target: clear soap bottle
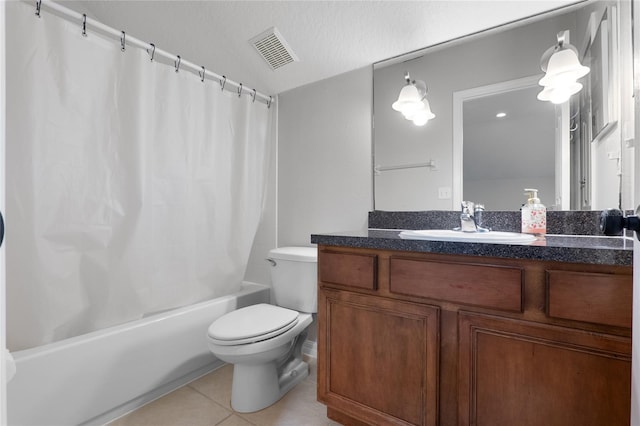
(534, 214)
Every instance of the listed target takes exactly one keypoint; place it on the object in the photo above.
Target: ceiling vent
(274, 49)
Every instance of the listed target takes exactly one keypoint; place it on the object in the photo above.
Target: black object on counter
(613, 222)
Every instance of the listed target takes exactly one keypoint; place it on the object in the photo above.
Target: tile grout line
(231, 412)
(237, 415)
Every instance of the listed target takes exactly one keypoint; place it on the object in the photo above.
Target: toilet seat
(252, 324)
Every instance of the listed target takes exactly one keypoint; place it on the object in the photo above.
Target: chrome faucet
(467, 221)
(477, 217)
(471, 217)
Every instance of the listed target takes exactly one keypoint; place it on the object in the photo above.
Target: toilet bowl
(264, 342)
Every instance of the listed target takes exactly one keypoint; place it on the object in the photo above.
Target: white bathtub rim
(95, 397)
(26, 354)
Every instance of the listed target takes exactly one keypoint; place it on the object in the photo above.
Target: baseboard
(310, 348)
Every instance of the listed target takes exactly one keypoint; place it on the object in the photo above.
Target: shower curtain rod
(152, 49)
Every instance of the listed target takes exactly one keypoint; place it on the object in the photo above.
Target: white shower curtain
(130, 188)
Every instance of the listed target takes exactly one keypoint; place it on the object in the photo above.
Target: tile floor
(206, 401)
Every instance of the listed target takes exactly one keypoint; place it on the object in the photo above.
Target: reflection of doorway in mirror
(498, 157)
(580, 145)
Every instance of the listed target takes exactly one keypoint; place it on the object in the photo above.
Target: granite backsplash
(567, 222)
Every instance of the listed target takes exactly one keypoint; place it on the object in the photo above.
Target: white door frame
(3, 310)
(562, 138)
(635, 337)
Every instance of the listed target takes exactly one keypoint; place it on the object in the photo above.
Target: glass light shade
(560, 94)
(563, 65)
(408, 99)
(559, 80)
(424, 114)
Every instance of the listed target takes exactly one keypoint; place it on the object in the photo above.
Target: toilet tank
(294, 275)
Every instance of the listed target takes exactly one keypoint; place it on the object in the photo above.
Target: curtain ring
(122, 42)
(269, 102)
(254, 95)
(38, 4)
(177, 63)
(240, 90)
(84, 24)
(153, 51)
(573, 126)
(202, 75)
(223, 82)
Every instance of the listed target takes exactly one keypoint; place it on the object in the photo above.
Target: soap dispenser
(534, 214)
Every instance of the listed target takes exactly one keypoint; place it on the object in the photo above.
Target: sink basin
(477, 237)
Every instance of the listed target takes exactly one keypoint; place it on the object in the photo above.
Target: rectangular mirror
(492, 137)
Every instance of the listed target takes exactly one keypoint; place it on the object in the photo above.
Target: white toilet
(264, 342)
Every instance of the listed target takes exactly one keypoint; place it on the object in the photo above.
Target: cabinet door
(378, 358)
(513, 372)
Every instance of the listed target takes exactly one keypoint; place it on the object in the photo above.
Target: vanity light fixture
(412, 101)
(563, 69)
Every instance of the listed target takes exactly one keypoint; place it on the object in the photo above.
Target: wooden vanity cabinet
(427, 339)
(382, 358)
(515, 372)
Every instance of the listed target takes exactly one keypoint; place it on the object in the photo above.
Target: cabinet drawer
(347, 269)
(491, 286)
(590, 297)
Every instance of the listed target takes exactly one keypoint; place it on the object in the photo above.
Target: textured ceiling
(329, 37)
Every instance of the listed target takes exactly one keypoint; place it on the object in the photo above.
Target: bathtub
(99, 376)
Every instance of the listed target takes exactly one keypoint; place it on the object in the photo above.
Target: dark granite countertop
(563, 248)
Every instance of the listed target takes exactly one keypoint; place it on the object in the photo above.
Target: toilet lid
(251, 324)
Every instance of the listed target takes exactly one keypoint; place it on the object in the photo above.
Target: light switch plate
(444, 193)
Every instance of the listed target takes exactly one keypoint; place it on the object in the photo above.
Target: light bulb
(559, 95)
(565, 78)
(422, 115)
(408, 114)
(420, 119)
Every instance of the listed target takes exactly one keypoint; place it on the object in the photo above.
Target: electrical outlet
(444, 193)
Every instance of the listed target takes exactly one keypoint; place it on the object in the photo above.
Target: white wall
(324, 157)
(320, 166)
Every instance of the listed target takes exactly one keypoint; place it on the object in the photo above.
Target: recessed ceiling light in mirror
(501, 115)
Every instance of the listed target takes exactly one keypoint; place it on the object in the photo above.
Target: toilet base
(258, 386)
